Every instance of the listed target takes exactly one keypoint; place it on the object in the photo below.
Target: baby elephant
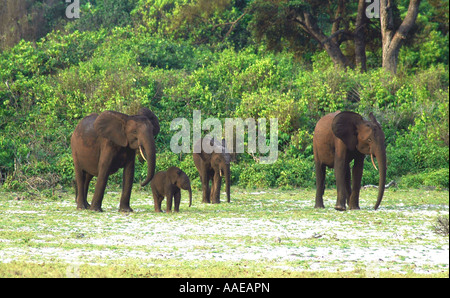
(168, 184)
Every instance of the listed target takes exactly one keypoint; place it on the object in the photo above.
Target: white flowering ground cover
(265, 233)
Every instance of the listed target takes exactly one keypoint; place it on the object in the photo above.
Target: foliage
(97, 14)
(430, 178)
(441, 227)
(158, 54)
(200, 22)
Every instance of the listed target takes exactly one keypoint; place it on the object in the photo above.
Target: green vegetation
(227, 58)
(175, 56)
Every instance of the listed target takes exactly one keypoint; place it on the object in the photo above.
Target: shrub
(441, 225)
(431, 178)
(46, 87)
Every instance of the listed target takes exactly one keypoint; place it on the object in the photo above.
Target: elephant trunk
(227, 181)
(150, 156)
(190, 196)
(186, 185)
(381, 159)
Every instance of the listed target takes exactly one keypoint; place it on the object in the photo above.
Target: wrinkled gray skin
(212, 167)
(168, 184)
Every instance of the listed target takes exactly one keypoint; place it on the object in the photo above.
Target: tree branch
(233, 24)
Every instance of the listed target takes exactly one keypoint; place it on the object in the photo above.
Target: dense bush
(46, 87)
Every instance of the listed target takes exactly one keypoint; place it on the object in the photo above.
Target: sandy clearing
(236, 239)
(300, 244)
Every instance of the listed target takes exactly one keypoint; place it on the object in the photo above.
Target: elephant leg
(169, 197)
(348, 179)
(320, 184)
(80, 178)
(357, 171)
(128, 176)
(87, 180)
(205, 187)
(99, 192)
(340, 172)
(102, 179)
(216, 185)
(213, 189)
(157, 199)
(177, 197)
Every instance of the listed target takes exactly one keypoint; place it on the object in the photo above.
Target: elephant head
(179, 178)
(137, 132)
(365, 136)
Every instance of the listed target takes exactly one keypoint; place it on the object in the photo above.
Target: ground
(261, 233)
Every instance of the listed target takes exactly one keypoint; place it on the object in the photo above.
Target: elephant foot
(125, 209)
(319, 206)
(83, 206)
(96, 209)
(340, 208)
(353, 208)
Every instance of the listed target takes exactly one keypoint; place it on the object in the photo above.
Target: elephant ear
(344, 127)
(206, 157)
(374, 120)
(153, 119)
(111, 125)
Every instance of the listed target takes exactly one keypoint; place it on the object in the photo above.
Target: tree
(393, 38)
(306, 25)
(29, 20)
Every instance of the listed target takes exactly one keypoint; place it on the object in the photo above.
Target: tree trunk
(331, 45)
(392, 39)
(360, 43)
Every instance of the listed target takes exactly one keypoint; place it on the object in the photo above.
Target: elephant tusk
(371, 157)
(140, 151)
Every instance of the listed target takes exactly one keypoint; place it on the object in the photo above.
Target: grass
(261, 233)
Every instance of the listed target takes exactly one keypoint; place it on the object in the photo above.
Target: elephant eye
(369, 140)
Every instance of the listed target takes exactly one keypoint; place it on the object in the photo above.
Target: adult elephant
(213, 164)
(339, 138)
(101, 144)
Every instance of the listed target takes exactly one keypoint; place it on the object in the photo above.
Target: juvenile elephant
(212, 166)
(101, 144)
(168, 184)
(339, 138)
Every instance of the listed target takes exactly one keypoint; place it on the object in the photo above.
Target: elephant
(103, 143)
(212, 166)
(168, 184)
(338, 139)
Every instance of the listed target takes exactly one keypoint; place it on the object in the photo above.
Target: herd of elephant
(103, 143)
